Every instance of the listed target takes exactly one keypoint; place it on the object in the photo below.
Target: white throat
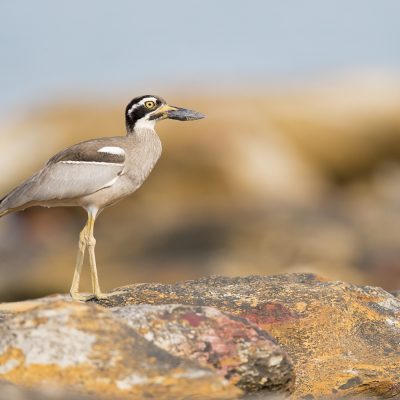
(144, 124)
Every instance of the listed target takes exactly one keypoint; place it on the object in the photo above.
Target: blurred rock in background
(285, 179)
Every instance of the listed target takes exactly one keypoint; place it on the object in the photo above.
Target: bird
(96, 174)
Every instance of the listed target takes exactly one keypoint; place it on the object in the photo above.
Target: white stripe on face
(112, 150)
(141, 103)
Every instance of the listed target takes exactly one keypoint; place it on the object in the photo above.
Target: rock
(83, 347)
(3, 316)
(9, 309)
(242, 353)
(343, 339)
(396, 294)
(9, 391)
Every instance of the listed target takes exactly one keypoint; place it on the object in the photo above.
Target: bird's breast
(142, 157)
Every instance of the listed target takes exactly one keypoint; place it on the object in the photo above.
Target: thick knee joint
(86, 240)
(83, 239)
(91, 242)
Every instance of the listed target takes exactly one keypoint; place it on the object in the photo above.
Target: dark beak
(182, 114)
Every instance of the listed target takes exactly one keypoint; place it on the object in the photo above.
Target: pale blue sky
(50, 48)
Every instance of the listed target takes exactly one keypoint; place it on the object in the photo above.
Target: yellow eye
(149, 104)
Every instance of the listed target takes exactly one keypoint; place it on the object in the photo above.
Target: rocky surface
(9, 391)
(236, 349)
(85, 348)
(396, 294)
(343, 339)
(3, 316)
(242, 353)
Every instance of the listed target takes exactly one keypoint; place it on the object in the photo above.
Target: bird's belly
(122, 188)
(135, 173)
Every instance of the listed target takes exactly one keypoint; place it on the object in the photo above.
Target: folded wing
(78, 171)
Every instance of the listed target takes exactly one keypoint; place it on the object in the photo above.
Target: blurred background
(296, 168)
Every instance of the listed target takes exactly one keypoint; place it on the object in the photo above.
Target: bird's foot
(82, 297)
(103, 296)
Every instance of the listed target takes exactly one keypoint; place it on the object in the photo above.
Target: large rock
(343, 339)
(242, 353)
(9, 391)
(3, 316)
(84, 347)
(396, 294)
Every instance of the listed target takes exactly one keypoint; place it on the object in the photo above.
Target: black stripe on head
(135, 110)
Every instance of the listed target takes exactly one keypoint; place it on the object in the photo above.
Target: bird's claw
(82, 297)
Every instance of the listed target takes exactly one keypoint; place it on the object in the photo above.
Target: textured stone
(9, 391)
(9, 309)
(343, 339)
(3, 316)
(396, 294)
(83, 347)
(242, 353)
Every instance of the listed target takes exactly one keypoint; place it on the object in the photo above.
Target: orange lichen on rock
(343, 339)
(239, 351)
(84, 347)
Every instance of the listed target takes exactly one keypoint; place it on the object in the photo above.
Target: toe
(82, 297)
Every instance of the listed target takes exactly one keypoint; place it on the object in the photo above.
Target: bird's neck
(145, 134)
(140, 127)
(147, 148)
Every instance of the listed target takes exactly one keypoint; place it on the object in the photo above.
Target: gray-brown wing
(70, 179)
(66, 176)
(106, 150)
(62, 181)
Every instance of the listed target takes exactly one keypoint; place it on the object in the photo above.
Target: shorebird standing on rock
(97, 173)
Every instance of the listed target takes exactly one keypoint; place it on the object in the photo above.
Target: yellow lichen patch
(300, 306)
(84, 348)
(342, 338)
(18, 306)
(12, 359)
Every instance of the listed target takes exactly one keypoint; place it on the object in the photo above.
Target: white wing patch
(90, 162)
(112, 150)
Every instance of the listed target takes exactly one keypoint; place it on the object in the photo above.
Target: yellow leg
(91, 243)
(92, 257)
(74, 291)
(87, 240)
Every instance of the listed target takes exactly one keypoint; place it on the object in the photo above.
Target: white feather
(112, 150)
(144, 123)
(90, 162)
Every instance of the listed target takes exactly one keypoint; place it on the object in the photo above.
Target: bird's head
(145, 111)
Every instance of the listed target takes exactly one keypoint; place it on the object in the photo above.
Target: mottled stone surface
(9, 309)
(84, 347)
(3, 316)
(242, 353)
(9, 391)
(344, 340)
(396, 293)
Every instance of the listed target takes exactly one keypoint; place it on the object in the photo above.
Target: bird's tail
(19, 198)
(3, 209)
(6, 204)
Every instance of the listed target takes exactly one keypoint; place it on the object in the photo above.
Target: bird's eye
(149, 104)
